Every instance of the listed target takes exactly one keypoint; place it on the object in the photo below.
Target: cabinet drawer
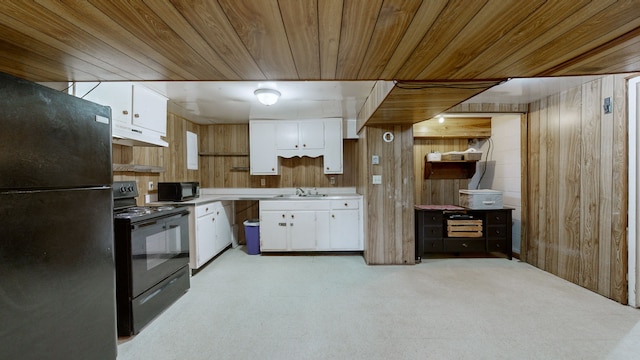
(459, 245)
(496, 218)
(207, 209)
(432, 231)
(432, 218)
(345, 204)
(494, 232)
(432, 246)
(497, 245)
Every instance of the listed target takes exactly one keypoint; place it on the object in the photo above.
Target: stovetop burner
(137, 211)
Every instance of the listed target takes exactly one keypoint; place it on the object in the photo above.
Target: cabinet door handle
(291, 224)
(296, 146)
(465, 245)
(136, 115)
(125, 112)
(282, 224)
(283, 216)
(213, 219)
(304, 145)
(333, 216)
(346, 204)
(292, 216)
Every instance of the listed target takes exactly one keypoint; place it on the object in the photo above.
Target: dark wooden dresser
(483, 231)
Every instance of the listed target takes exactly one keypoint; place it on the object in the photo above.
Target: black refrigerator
(57, 275)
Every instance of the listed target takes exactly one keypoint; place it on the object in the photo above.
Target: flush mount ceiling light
(267, 96)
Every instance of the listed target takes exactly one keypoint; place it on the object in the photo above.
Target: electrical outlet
(332, 180)
(263, 182)
(377, 179)
(150, 187)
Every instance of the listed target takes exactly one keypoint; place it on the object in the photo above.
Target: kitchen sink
(306, 196)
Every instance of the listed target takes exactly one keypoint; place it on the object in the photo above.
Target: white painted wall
(634, 190)
(501, 155)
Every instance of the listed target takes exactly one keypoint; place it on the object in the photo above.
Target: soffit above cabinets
(217, 102)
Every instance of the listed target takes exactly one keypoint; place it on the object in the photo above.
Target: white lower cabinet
(311, 225)
(344, 225)
(209, 231)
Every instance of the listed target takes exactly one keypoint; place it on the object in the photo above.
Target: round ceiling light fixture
(267, 96)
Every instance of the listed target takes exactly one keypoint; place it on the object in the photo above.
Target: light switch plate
(375, 160)
(377, 179)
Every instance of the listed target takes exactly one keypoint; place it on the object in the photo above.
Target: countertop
(208, 195)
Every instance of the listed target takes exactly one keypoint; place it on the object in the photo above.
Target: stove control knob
(130, 188)
(123, 189)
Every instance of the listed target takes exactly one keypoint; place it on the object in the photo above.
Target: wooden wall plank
(393, 20)
(553, 192)
(300, 20)
(329, 19)
(533, 240)
(606, 183)
(259, 26)
(360, 23)
(590, 213)
(619, 248)
(569, 161)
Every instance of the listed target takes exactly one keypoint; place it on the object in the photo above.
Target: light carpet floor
(337, 307)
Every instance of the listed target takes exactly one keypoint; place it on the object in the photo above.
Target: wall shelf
(223, 154)
(455, 169)
(138, 168)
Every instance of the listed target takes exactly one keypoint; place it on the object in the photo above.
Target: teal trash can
(252, 235)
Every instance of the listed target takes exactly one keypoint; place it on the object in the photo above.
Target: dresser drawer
(432, 246)
(495, 232)
(497, 246)
(431, 218)
(464, 245)
(432, 232)
(496, 218)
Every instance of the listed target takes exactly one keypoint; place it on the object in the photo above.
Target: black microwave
(178, 191)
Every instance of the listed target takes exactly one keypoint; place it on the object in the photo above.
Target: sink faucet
(300, 192)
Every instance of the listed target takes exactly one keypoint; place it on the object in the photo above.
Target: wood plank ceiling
(441, 52)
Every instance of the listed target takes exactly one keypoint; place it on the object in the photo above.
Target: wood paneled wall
(172, 158)
(218, 170)
(577, 187)
(439, 191)
(389, 218)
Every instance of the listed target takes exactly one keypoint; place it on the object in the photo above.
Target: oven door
(159, 248)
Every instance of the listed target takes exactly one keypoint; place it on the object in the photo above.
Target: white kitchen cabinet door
(262, 148)
(117, 95)
(287, 135)
(149, 110)
(323, 233)
(345, 230)
(302, 230)
(311, 134)
(273, 231)
(333, 146)
(205, 239)
(223, 226)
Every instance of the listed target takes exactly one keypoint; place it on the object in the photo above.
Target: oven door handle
(141, 225)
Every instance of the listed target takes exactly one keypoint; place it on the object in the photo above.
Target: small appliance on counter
(178, 191)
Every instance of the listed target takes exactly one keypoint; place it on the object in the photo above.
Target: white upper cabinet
(287, 135)
(139, 115)
(333, 146)
(263, 159)
(300, 138)
(149, 110)
(270, 139)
